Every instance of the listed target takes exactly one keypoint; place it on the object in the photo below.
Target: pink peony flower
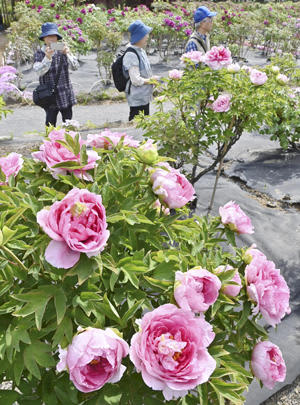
(267, 288)
(231, 290)
(171, 350)
(233, 68)
(76, 224)
(51, 152)
(282, 79)
(193, 56)
(268, 364)
(218, 57)
(172, 187)
(108, 140)
(94, 359)
(175, 74)
(257, 77)
(233, 216)
(11, 165)
(196, 290)
(222, 103)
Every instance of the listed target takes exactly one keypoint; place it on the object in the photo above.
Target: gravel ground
(289, 395)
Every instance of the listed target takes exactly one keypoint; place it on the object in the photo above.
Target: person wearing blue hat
(136, 68)
(52, 63)
(203, 22)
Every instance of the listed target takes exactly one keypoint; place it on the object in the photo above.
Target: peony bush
(112, 292)
(214, 102)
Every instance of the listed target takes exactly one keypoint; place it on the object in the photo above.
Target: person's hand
(49, 52)
(66, 50)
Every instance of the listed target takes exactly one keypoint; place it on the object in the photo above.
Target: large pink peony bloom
(233, 216)
(175, 74)
(94, 359)
(267, 363)
(172, 187)
(267, 288)
(108, 140)
(11, 165)
(51, 152)
(77, 224)
(231, 290)
(171, 350)
(222, 103)
(218, 57)
(196, 290)
(257, 77)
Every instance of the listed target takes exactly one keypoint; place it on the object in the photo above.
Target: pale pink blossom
(171, 350)
(218, 57)
(247, 69)
(267, 364)
(222, 103)
(267, 288)
(172, 187)
(257, 77)
(196, 290)
(193, 56)
(275, 69)
(175, 74)
(76, 224)
(231, 290)
(11, 165)
(109, 140)
(52, 153)
(282, 79)
(93, 359)
(235, 218)
(233, 68)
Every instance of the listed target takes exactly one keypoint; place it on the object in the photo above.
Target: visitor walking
(136, 68)
(52, 64)
(203, 21)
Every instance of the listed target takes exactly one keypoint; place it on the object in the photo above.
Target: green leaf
(84, 269)
(131, 311)
(163, 284)
(7, 234)
(60, 305)
(107, 308)
(245, 315)
(83, 155)
(227, 390)
(230, 236)
(18, 367)
(37, 301)
(202, 392)
(8, 397)
(70, 164)
(63, 332)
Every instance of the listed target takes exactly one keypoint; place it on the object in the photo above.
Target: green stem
(11, 254)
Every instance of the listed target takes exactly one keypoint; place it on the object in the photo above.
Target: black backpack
(120, 80)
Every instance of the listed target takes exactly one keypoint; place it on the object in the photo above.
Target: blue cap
(201, 13)
(137, 31)
(50, 29)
